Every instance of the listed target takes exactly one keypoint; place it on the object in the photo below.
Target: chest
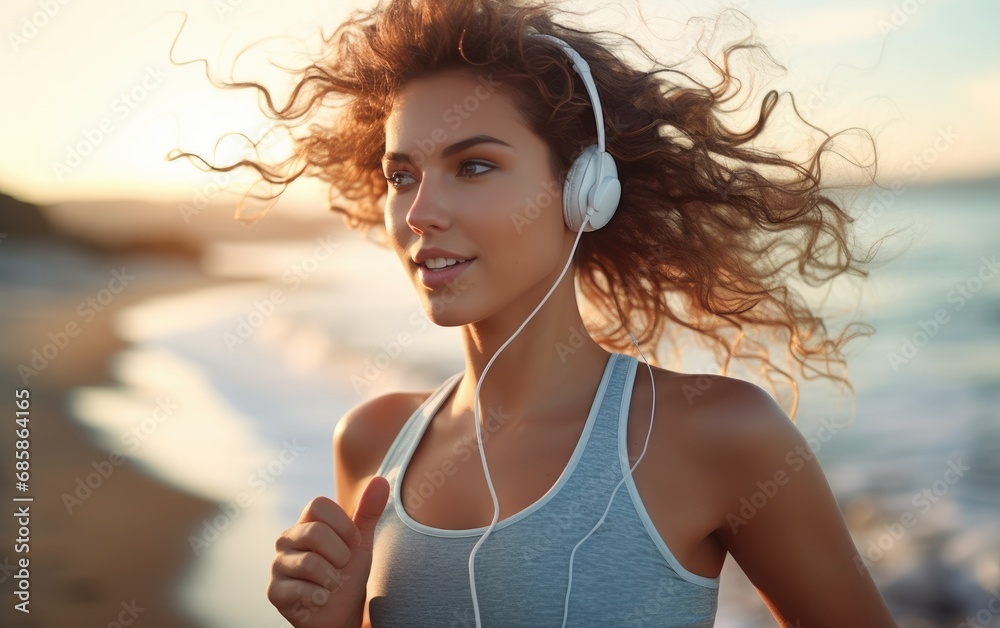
(444, 486)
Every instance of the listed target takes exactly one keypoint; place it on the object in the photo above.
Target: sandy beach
(97, 562)
(109, 541)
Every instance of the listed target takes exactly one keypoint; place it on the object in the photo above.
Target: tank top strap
(414, 427)
(600, 456)
(599, 469)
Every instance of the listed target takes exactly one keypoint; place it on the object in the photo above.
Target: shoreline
(96, 563)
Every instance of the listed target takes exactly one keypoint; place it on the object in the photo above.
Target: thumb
(370, 509)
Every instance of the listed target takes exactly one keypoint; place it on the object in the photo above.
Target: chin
(451, 306)
(448, 311)
(447, 315)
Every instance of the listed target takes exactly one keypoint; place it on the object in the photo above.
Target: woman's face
(472, 210)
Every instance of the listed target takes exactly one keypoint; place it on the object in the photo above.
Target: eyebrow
(448, 151)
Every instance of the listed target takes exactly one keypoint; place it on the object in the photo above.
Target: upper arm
(361, 440)
(782, 523)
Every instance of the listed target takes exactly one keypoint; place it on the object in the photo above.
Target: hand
(320, 576)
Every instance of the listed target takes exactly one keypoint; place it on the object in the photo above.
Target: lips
(430, 253)
(438, 278)
(438, 267)
(440, 263)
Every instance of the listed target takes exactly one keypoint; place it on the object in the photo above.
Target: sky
(93, 103)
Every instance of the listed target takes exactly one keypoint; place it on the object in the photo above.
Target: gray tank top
(623, 575)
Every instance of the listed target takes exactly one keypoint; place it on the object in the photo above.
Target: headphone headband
(592, 190)
(583, 69)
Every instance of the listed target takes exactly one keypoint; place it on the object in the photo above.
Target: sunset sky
(94, 77)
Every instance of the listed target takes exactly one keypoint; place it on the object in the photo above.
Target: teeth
(441, 262)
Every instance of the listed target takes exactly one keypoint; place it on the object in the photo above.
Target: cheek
(395, 221)
(534, 217)
(525, 207)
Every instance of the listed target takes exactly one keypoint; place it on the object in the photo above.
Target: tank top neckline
(427, 412)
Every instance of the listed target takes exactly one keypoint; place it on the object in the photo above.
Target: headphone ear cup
(582, 189)
(607, 193)
(574, 210)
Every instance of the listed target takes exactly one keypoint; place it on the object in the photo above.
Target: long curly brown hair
(711, 233)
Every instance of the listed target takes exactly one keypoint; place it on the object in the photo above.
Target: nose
(430, 208)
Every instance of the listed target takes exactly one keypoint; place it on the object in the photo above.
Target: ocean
(251, 376)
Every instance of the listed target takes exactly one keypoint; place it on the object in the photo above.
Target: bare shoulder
(773, 508)
(718, 415)
(726, 414)
(732, 429)
(362, 438)
(716, 431)
(713, 429)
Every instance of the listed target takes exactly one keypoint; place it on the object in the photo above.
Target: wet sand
(122, 549)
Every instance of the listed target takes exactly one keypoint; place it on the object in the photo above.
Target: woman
(458, 124)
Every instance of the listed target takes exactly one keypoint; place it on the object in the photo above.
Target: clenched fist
(319, 577)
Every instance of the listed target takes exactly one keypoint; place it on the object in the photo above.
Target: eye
(399, 178)
(469, 168)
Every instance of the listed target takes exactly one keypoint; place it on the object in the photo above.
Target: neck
(542, 373)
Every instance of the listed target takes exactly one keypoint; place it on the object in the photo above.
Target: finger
(329, 512)
(316, 537)
(307, 566)
(297, 599)
(370, 509)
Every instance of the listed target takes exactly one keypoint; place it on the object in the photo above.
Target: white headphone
(590, 197)
(592, 180)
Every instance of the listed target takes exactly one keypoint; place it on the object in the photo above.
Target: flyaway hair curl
(711, 233)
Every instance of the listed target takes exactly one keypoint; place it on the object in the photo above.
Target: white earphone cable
(479, 435)
(582, 68)
(569, 586)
